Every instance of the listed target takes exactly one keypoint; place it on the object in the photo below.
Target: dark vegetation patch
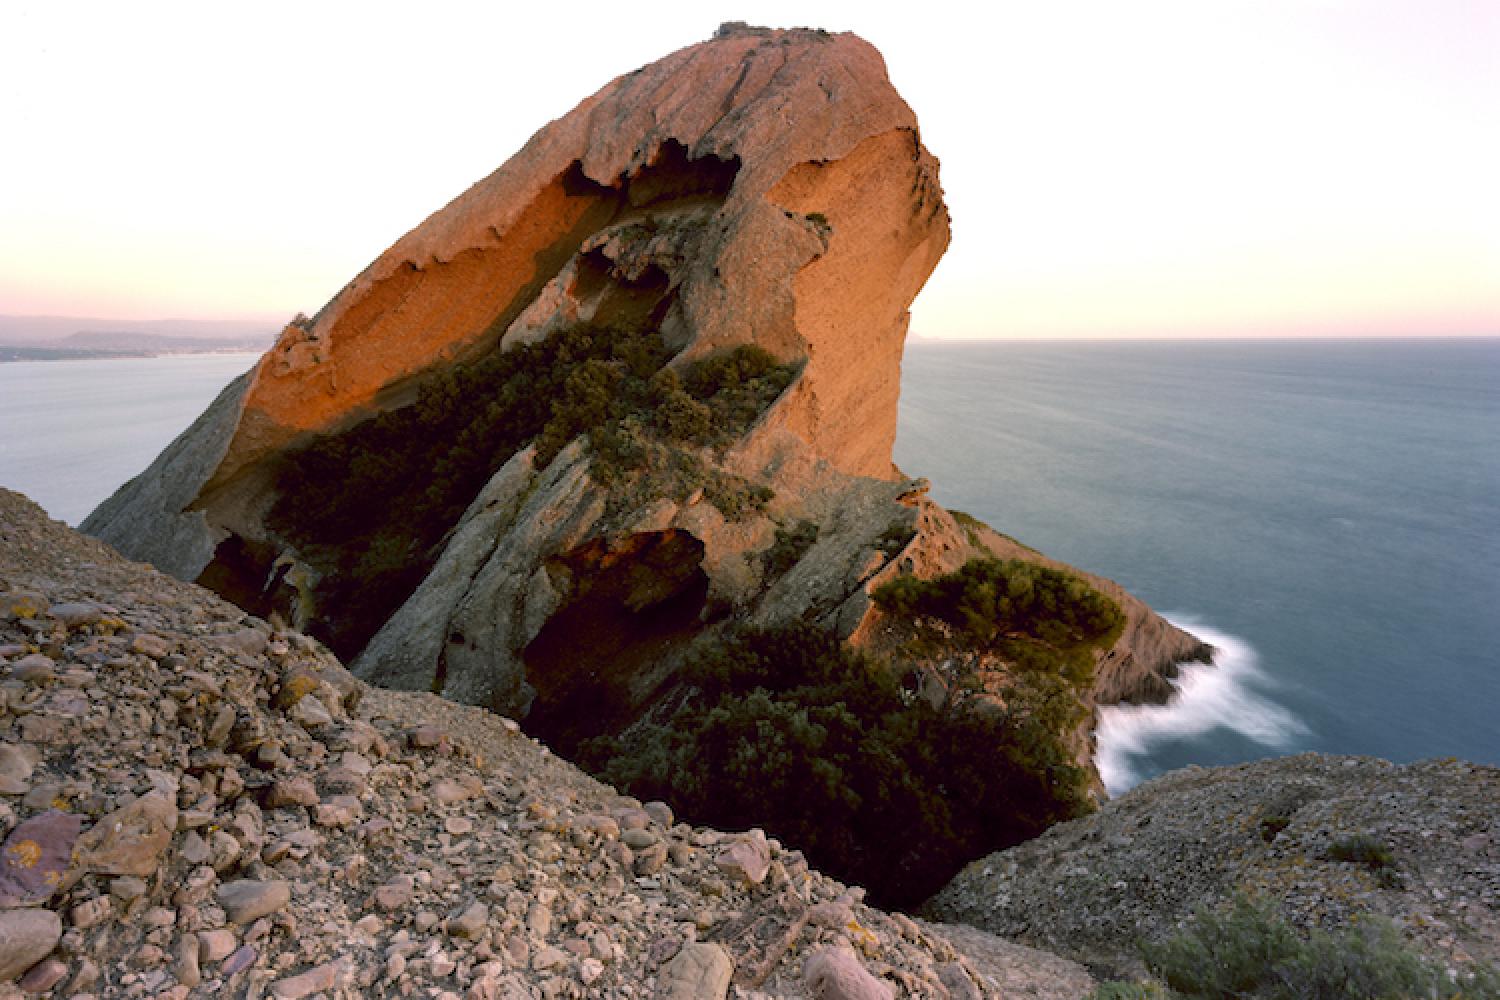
(787, 550)
(1363, 849)
(1271, 827)
(897, 535)
(1250, 951)
(829, 749)
(368, 508)
(1040, 622)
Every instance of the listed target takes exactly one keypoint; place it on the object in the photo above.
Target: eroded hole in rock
(622, 303)
(599, 658)
(675, 175)
(245, 573)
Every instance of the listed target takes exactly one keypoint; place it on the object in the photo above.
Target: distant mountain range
(47, 338)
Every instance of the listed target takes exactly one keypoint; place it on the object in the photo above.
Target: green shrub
(1036, 619)
(990, 599)
(1362, 848)
(1250, 951)
(787, 550)
(789, 730)
(737, 386)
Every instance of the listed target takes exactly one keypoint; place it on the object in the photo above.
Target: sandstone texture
(442, 854)
(764, 188)
(1092, 888)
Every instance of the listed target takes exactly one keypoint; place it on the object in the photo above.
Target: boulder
(247, 900)
(35, 856)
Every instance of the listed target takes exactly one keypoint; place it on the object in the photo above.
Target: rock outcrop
(1094, 888)
(764, 190)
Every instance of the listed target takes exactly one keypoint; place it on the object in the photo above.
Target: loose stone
(26, 936)
(247, 900)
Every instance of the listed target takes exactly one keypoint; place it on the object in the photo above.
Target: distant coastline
(39, 353)
(74, 338)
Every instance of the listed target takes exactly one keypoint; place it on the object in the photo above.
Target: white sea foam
(1221, 695)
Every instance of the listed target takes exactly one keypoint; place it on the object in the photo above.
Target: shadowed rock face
(763, 189)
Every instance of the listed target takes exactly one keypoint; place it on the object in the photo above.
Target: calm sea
(71, 432)
(1325, 513)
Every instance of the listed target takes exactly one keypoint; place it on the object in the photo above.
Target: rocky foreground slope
(1329, 839)
(196, 803)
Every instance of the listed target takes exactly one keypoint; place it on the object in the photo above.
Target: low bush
(787, 550)
(790, 730)
(1248, 950)
(1271, 826)
(1364, 849)
(1042, 623)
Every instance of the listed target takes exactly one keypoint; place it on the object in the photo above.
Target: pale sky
(1143, 168)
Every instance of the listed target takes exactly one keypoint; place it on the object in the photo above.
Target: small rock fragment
(294, 791)
(471, 923)
(185, 961)
(697, 972)
(21, 604)
(319, 979)
(76, 614)
(132, 839)
(216, 945)
(43, 976)
(16, 766)
(838, 974)
(240, 960)
(26, 937)
(247, 900)
(34, 669)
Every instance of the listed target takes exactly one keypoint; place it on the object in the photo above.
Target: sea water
(1325, 513)
(72, 432)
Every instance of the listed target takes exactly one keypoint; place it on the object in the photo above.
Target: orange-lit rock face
(881, 214)
(807, 216)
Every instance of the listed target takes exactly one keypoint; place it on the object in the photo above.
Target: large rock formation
(764, 188)
(634, 390)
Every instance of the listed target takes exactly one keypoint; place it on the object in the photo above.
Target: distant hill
(38, 330)
(157, 343)
(53, 338)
